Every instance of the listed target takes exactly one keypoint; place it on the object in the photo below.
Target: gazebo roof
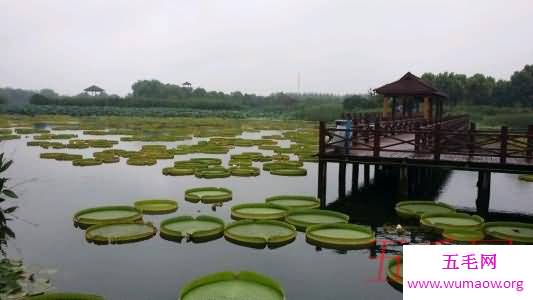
(94, 88)
(186, 83)
(409, 85)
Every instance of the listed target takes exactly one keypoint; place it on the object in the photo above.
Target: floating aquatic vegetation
(395, 272)
(5, 137)
(272, 137)
(18, 281)
(208, 161)
(86, 162)
(294, 201)
(60, 156)
(448, 221)
(106, 157)
(302, 218)
(106, 214)
(528, 178)
(5, 131)
(260, 233)
(415, 209)
(245, 171)
(156, 206)
(199, 229)
(141, 161)
(31, 131)
(212, 172)
(340, 236)
(463, 236)
(46, 144)
(208, 195)
(516, 232)
(172, 171)
(289, 172)
(118, 233)
(240, 163)
(154, 138)
(258, 211)
(50, 136)
(65, 296)
(189, 164)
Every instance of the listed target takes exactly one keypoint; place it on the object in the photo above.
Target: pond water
(51, 192)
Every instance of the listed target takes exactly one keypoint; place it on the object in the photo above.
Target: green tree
(522, 86)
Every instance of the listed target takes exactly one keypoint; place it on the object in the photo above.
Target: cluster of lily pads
(463, 228)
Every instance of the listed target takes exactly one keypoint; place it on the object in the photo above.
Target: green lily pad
(245, 171)
(106, 214)
(86, 162)
(294, 201)
(156, 206)
(173, 171)
(340, 236)
(415, 209)
(395, 272)
(289, 172)
(208, 161)
(208, 195)
(118, 233)
(211, 173)
(528, 178)
(258, 211)
(449, 221)
(260, 233)
(302, 218)
(203, 228)
(228, 285)
(516, 232)
(463, 236)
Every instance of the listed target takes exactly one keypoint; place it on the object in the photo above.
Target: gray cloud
(338, 46)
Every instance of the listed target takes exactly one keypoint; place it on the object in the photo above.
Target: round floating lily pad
(156, 206)
(188, 164)
(289, 172)
(286, 164)
(340, 236)
(228, 285)
(260, 233)
(208, 161)
(521, 233)
(86, 162)
(208, 195)
(245, 171)
(258, 211)
(65, 296)
(294, 201)
(395, 272)
(203, 228)
(173, 171)
(528, 178)
(211, 173)
(144, 161)
(415, 209)
(118, 233)
(106, 214)
(240, 163)
(302, 218)
(449, 221)
(463, 236)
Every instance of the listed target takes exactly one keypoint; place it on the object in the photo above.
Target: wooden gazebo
(94, 90)
(416, 97)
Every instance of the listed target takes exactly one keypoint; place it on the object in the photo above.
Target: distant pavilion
(187, 85)
(94, 90)
(416, 97)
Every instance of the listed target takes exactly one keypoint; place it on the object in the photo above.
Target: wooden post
(377, 142)
(393, 108)
(366, 171)
(355, 176)
(322, 181)
(321, 138)
(529, 151)
(471, 138)
(404, 104)
(386, 108)
(417, 137)
(483, 193)
(427, 109)
(504, 136)
(403, 184)
(342, 180)
(436, 142)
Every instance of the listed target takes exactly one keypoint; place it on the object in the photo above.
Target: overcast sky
(258, 46)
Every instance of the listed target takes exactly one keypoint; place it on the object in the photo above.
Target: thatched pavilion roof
(94, 88)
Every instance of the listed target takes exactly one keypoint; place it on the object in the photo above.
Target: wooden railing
(453, 135)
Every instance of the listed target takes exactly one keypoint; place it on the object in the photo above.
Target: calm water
(51, 192)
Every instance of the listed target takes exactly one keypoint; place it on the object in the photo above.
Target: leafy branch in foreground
(5, 231)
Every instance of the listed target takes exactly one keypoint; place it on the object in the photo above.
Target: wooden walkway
(453, 143)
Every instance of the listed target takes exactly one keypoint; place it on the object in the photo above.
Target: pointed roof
(410, 85)
(94, 88)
